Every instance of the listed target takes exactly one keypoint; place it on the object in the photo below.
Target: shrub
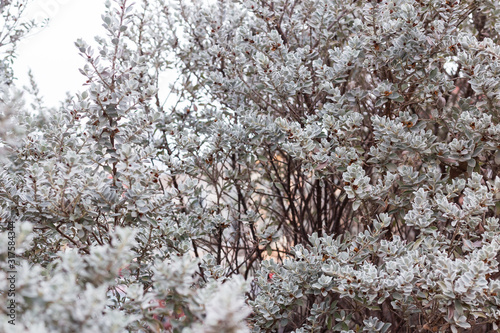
(341, 157)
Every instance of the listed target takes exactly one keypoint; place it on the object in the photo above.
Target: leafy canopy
(327, 166)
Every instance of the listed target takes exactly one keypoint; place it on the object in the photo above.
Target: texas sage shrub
(340, 156)
(364, 135)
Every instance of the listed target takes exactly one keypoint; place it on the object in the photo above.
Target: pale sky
(51, 53)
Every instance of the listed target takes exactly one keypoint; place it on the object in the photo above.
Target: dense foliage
(328, 166)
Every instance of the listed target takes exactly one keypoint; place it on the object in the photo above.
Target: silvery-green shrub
(326, 166)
